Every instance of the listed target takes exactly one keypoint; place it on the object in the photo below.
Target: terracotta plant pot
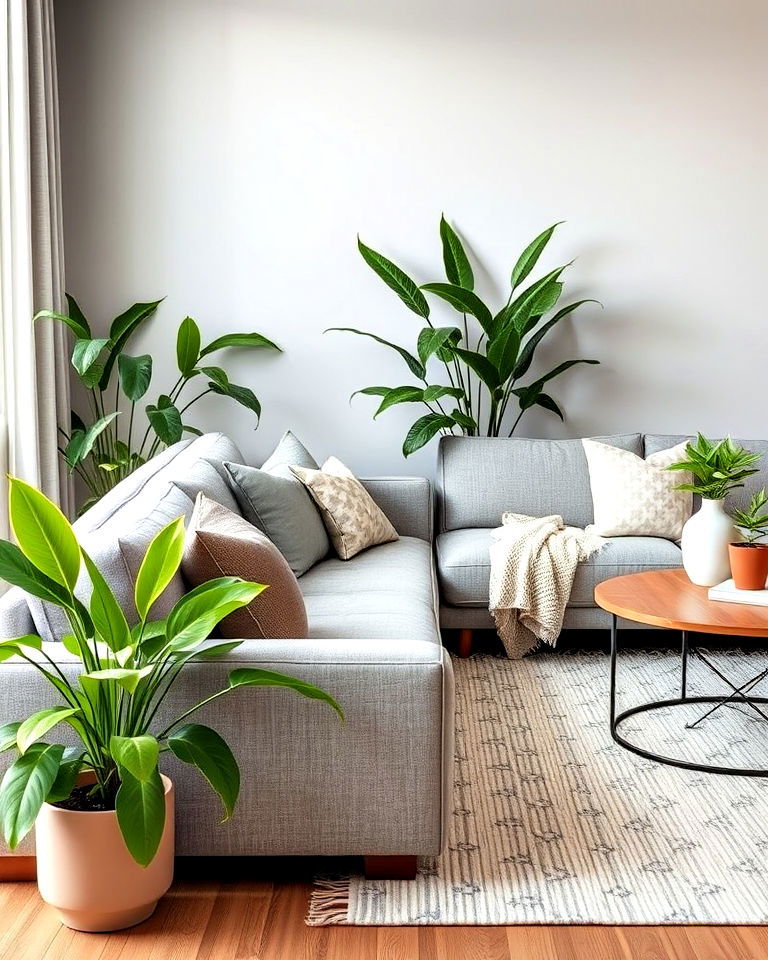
(85, 871)
(749, 565)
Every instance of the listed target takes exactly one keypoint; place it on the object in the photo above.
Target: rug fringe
(329, 903)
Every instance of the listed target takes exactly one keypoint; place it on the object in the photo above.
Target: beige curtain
(34, 378)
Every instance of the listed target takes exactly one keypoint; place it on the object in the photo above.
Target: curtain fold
(34, 378)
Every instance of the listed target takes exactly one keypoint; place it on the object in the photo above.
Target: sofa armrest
(378, 784)
(407, 501)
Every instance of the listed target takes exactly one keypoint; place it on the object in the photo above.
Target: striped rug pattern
(554, 823)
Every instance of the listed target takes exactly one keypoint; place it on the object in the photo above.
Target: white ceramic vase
(705, 540)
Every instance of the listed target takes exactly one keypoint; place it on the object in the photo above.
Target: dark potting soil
(83, 799)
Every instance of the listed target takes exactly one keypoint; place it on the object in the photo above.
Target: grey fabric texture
(406, 501)
(207, 479)
(464, 565)
(289, 452)
(737, 499)
(480, 478)
(576, 618)
(378, 784)
(385, 593)
(15, 618)
(280, 506)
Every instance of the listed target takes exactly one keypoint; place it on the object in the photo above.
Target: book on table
(728, 592)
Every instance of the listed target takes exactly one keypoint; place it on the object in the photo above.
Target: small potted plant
(749, 559)
(104, 812)
(715, 468)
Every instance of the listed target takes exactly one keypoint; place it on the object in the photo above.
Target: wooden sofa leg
(15, 869)
(390, 868)
(465, 643)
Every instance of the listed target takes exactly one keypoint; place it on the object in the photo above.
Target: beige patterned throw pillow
(633, 497)
(351, 517)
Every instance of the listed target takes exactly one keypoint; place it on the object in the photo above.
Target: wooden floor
(262, 917)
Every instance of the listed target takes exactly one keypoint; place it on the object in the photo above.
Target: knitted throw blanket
(533, 562)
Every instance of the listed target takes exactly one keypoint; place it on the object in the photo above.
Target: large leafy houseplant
(486, 358)
(126, 674)
(102, 447)
(717, 467)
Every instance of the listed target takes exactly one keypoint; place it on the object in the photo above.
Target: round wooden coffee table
(667, 598)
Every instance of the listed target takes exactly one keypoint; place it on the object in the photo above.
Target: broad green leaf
(26, 784)
(466, 422)
(216, 650)
(8, 733)
(560, 368)
(544, 400)
(396, 395)
(465, 301)
(122, 329)
(424, 430)
(85, 360)
(77, 317)
(481, 365)
(414, 365)
(187, 346)
(137, 755)
(82, 332)
(457, 267)
(106, 613)
(154, 628)
(74, 448)
(122, 676)
(395, 279)
(239, 340)
(196, 614)
(217, 375)
(371, 392)
(44, 534)
(94, 431)
(140, 808)
(165, 419)
(528, 304)
(35, 727)
(14, 647)
(159, 566)
(193, 430)
(503, 351)
(252, 677)
(437, 392)
(433, 339)
(243, 395)
(17, 570)
(135, 375)
(528, 351)
(66, 778)
(529, 257)
(204, 748)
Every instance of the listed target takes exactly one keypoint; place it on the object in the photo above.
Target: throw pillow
(353, 520)
(220, 543)
(633, 497)
(274, 500)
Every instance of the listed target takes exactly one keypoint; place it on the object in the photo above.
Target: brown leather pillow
(219, 543)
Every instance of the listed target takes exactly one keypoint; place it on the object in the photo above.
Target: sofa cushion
(385, 593)
(464, 569)
(483, 477)
(15, 618)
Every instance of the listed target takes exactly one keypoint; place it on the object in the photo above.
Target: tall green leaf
(66, 777)
(465, 301)
(38, 724)
(503, 351)
(196, 614)
(121, 330)
(424, 430)
(544, 400)
(165, 419)
(457, 266)
(433, 339)
(106, 613)
(94, 432)
(528, 351)
(44, 534)
(481, 365)
(8, 733)
(140, 808)
(187, 346)
(252, 677)
(414, 365)
(137, 755)
(399, 395)
(73, 452)
(24, 788)
(159, 566)
(16, 569)
(239, 340)
(85, 360)
(560, 368)
(242, 395)
(530, 303)
(126, 678)
(204, 748)
(529, 257)
(135, 375)
(438, 391)
(80, 329)
(395, 279)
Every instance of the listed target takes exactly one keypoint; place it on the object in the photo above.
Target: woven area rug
(554, 823)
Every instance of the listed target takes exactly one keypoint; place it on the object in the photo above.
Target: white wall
(226, 154)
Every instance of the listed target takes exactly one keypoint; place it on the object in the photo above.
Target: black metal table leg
(684, 674)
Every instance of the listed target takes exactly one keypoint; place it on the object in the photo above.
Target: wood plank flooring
(256, 912)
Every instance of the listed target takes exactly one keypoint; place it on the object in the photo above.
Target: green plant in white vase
(716, 468)
(91, 867)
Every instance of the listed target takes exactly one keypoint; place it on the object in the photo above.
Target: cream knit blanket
(533, 562)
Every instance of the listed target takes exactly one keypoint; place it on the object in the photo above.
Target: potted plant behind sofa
(749, 559)
(104, 812)
(716, 468)
(486, 359)
(103, 446)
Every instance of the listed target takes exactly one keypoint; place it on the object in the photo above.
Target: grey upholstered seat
(464, 565)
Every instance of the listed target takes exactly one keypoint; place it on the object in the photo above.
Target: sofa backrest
(480, 478)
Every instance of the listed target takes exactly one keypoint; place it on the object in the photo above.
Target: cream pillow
(633, 497)
(353, 520)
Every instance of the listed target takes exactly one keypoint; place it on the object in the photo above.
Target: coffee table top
(667, 598)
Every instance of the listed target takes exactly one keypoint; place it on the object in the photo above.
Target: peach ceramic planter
(85, 872)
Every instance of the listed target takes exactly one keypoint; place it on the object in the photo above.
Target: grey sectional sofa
(479, 478)
(379, 785)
